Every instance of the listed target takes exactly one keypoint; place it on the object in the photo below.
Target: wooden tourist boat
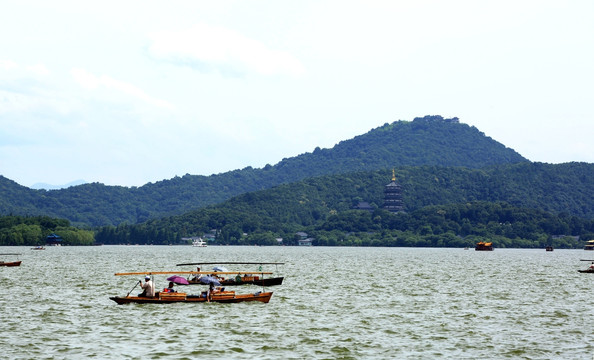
(484, 246)
(176, 297)
(216, 295)
(549, 248)
(10, 263)
(239, 277)
(589, 245)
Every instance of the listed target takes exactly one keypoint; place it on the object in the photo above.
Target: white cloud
(219, 46)
(91, 82)
(23, 70)
(38, 69)
(7, 64)
(507, 68)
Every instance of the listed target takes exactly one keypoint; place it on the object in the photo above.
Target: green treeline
(521, 205)
(452, 225)
(455, 225)
(32, 231)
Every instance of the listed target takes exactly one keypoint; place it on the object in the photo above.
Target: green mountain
(522, 204)
(431, 140)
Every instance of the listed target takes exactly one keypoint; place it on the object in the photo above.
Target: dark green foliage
(471, 207)
(456, 225)
(430, 140)
(31, 231)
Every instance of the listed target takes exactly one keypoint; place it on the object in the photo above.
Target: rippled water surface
(335, 303)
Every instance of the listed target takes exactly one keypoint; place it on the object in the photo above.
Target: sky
(132, 92)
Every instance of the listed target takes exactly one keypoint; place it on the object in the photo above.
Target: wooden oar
(139, 281)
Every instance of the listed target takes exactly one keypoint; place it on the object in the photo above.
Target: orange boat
(484, 246)
(10, 263)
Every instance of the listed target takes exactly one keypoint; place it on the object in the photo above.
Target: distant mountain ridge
(431, 140)
(44, 186)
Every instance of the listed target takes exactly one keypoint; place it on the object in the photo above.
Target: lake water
(335, 303)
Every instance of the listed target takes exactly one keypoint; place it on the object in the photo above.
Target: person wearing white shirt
(148, 288)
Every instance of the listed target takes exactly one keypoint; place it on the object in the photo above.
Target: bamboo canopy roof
(192, 272)
(233, 263)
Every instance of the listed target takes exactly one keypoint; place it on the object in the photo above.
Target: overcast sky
(130, 92)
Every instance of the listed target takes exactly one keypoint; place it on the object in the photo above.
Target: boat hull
(244, 281)
(10, 263)
(586, 271)
(483, 246)
(224, 297)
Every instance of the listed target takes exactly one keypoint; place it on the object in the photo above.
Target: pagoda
(393, 196)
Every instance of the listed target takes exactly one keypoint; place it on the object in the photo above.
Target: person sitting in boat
(148, 288)
(169, 289)
(196, 278)
(591, 266)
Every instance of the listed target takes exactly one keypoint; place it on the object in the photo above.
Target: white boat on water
(199, 243)
(196, 241)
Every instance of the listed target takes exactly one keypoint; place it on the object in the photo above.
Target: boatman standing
(148, 288)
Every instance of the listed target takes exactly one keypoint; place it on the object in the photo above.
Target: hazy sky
(130, 92)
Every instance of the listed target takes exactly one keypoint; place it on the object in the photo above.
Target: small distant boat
(549, 248)
(590, 269)
(589, 245)
(484, 246)
(10, 263)
(38, 248)
(199, 243)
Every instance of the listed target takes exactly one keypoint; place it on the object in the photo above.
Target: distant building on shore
(53, 240)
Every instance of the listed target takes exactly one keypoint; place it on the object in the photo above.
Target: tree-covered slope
(563, 190)
(431, 140)
(424, 141)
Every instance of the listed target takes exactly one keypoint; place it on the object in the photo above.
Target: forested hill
(559, 189)
(431, 140)
(531, 201)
